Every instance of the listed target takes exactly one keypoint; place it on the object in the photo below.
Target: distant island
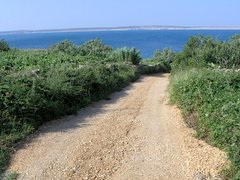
(122, 28)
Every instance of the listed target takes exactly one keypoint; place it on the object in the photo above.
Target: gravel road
(135, 135)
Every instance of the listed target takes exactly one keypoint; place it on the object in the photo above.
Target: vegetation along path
(135, 135)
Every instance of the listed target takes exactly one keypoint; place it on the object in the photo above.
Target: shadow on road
(79, 120)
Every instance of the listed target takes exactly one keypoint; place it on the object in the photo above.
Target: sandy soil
(135, 135)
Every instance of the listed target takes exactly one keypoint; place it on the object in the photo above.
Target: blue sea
(147, 41)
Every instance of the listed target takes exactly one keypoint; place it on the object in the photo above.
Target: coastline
(130, 28)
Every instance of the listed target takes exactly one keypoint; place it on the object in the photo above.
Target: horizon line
(144, 27)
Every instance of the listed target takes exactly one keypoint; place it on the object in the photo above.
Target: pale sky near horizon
(57, 14)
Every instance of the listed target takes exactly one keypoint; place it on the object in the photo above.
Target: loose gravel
(135, 135)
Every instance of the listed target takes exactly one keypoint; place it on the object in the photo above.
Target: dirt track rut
(135, 135)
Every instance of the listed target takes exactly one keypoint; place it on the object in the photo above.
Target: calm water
(146, 41)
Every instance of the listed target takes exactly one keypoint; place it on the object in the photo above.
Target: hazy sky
(51, 14)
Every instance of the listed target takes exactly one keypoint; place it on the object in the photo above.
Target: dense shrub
(40, 85)
(4, 46)
(131, 55)
(203, 51)
(95, 48)
(215, 97)
(211, 95)
(29, 98)
(167, 55)
(160, 62)
(153, 67)
(67, 47)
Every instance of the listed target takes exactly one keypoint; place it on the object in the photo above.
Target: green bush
(27, 101)
(131, 55)
(153, 67)
(4, 46)
(65, 46)
(203, 51)
(211, 95)
(214, 96)
(95, 48)
(167, 56)
(159, 63)
(40, 85)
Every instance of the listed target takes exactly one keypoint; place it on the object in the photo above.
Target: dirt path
(136, 135)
